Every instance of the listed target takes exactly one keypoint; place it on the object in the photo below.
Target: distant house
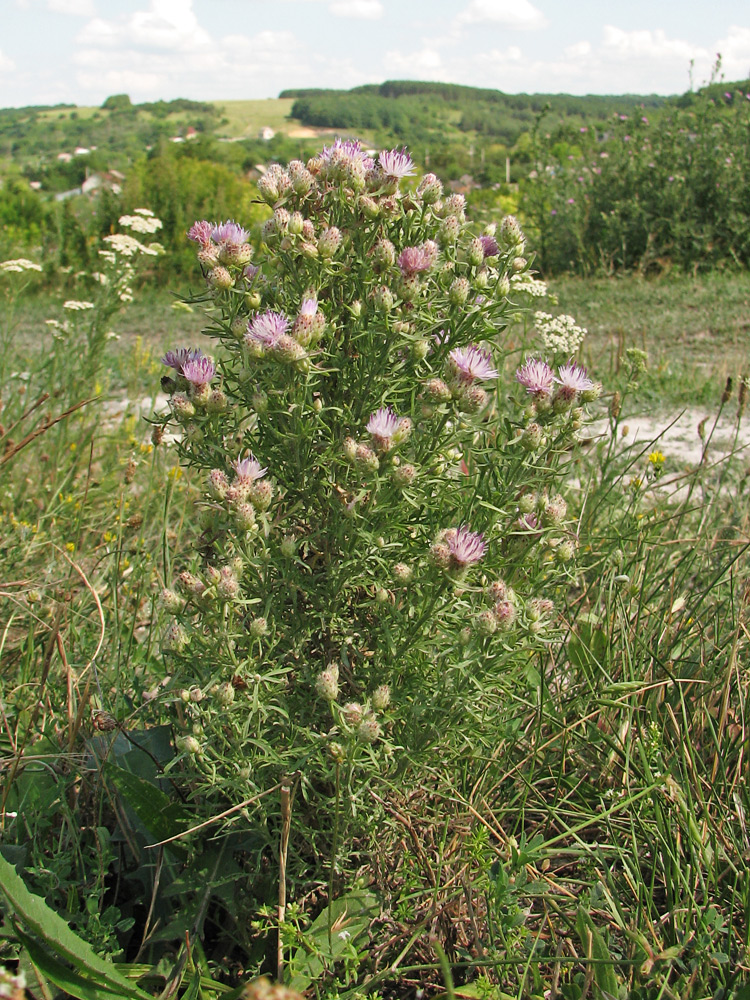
(35, 185)
(191, 132)
(266, 133)
(65, 157)
(176, 138)
(81, 151)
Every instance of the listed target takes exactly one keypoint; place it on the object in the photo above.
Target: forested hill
(410, 108)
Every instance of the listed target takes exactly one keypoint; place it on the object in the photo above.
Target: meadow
(451, 699)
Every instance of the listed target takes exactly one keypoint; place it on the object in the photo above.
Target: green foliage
(645, 192)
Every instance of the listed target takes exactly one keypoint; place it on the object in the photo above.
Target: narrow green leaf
(50, 929)
(596, 948)
(65, 978)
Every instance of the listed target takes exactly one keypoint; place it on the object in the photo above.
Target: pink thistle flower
(179, 358)
(412, 260)
(572, 378)
(200, 232)
(229, 232)
(489, 246)
(536, 377)
(309, 307)
(250, 272)
(472, 363)
(383, 424)
(465, 546)
(199, 371)
(396, 163)
(267, 329)
(248, 469)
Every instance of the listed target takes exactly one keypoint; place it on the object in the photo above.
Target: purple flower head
(465, 546)
(200, 232)
(250, 272)
(528, 522)
(309, 307)
(472, 363)
(268, 328)
(572, 378)
(248, 469)
(179, 358)
(199, 371)
(412, 260)
(383, 423)
(489, 245)
(229, 232)
(346, 149)
(536, 376)
(396, 163)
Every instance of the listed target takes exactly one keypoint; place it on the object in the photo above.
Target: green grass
(246, 118)
(695, 329)
(593, 843)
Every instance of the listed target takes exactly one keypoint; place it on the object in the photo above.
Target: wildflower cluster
(559, 335)
(364, 480)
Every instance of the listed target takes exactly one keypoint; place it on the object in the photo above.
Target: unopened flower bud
(369, 730)
(404, 475)
(366, 458)
(381, 698)
(328, 242)
(458, 292)
(181, 406)
(565, 551)
(258, 627)
(382, 596)
(219, 277)
(505, 615)
(532, 437)
(475, 253)
(171, 601)
(225, 694)
(288, 546)
(510, 232)
(430, 189)
(244, 517)
(487, 623)
(449, 230)
(327, 685)
(528, 502)
(352, 713)
(196, 695)
(409, 288)
(420, 349)
(402, 573)
(260, 494)
(336, 753)
(189, 744)
(228, 587)
(555, 509)
(382, 298)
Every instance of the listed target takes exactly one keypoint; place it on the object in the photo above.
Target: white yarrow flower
(77, 306)
(560, 334)
(19, 264)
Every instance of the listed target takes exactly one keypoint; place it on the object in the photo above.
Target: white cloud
(6, 63)
(578, 50)
(367, 10)
(426, 63)
(735, 53)
(78, 8)
(167, 24)
(510, 13)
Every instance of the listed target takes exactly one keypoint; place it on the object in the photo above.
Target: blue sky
(81, 51)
